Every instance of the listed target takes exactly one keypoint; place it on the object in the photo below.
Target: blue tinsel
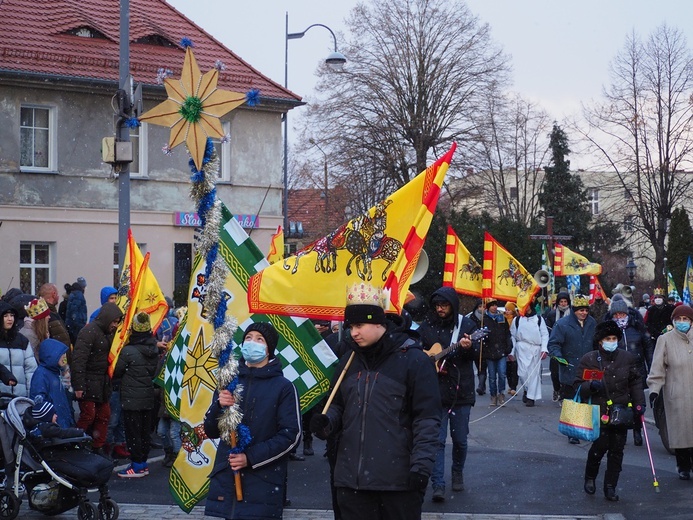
(221, 312)
(206, 203)
(132, 122)
(252, 97)
(244, 439)
(211, 258)
(186, 42)
(225, 354)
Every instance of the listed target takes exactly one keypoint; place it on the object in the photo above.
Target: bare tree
(510, 144)
(643, 129)
(416, 73)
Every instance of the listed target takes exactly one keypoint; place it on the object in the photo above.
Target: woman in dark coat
(610, 376)
(271, 412)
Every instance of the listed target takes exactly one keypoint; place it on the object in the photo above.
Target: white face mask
(658, 301)
(609, 346)
(253, 352)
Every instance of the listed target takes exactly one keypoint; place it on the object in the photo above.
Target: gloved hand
(653, 398)
(596, 386)
(418, 482)
(639, 410)
(320, 426)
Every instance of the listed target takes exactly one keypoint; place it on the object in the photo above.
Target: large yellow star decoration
(199, 369)
(193, 108)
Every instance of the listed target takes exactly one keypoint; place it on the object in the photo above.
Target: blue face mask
(609, 346)
(253, 352)
(682, 326)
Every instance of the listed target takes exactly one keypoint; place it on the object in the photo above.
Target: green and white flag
(189, 373)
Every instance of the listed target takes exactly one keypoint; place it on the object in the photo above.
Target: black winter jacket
(89, 367)
(621, 377)
(136, 368)
(271, 411)
(388, 409)
(456, 377)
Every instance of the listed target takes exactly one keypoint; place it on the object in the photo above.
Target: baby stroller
(57, 473)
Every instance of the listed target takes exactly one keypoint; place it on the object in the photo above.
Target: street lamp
(326, 189)
(335, 60)
(631, 268)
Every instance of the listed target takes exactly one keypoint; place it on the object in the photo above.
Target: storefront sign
(191, 219)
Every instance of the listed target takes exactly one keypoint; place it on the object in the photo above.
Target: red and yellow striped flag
(504, 277)
(596, 290)
(380, 247)
(462, 272)
(568, 263)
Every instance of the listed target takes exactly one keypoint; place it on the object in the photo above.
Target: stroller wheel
(9, 505)
(86, 511)
(108, 510)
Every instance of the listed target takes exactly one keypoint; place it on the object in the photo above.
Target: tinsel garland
(203, 192)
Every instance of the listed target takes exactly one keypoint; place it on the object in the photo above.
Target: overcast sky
(560, 50)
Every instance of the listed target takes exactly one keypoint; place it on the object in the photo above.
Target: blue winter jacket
(570, 341)
(76, 315)
(271, 411)
(46, 384)
(106, 293)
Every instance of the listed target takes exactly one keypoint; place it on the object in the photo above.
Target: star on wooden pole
(193, 108)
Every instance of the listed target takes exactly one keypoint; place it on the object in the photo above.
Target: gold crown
(580, 300)
(37, 309)
(365, 294)
(659, 291)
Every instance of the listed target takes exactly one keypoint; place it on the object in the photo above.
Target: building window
(593, 198)
(290, 248)
(224, 154)
(138, 138)
(513, 193)
(37, 139)
(182, 267)
(34, 266)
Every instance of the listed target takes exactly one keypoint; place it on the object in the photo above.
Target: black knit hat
(43, 412)
(604, 329)
(364, 314)
(268, 332)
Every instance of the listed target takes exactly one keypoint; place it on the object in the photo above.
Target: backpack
(516, 323)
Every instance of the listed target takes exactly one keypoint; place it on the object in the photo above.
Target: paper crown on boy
(365, 304)
(37, 309)
(659, 291)
(580, 301)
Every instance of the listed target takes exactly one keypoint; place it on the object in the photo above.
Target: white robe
(529, 341)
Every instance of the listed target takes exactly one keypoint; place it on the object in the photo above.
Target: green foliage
(680, 245)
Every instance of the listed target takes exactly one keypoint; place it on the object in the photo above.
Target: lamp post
(631, 268)
(335, 60)
(326, 182)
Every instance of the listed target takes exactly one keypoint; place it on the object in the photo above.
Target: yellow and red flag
(138, 292)
(504, 277)
(380, 247)
(568, 263)
(462, 272)
(276, 250)
(596, 290)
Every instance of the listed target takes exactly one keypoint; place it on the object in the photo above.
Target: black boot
(590, 487)
(637, 437)
(481, 389)
(308, 447)
(610, 493)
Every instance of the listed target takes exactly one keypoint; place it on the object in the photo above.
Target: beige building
(59, 200)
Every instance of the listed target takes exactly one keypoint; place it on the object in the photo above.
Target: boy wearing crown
(388, 410)
(570, 339)
(658, 316)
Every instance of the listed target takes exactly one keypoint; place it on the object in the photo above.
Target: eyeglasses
(442, 305)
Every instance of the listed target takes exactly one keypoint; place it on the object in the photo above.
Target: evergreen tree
(563, 195)
(680, 245)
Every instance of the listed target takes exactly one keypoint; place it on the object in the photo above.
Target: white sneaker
(22, 488)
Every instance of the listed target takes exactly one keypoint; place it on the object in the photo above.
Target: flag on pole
(504, 277)
(672, 291)
(567, 262)
(188, 376)
(596, 290)
(461, 272)
(276, 250)
(139, 292)
(688, 283)
(381, 247)
(547, 266)
(573, 282)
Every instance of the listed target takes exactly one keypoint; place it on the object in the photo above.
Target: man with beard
(446, 327)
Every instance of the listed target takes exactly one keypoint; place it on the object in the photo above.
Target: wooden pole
(339, 382)
(236, 474)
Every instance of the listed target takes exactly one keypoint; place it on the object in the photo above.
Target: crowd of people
(408, 384)
(54, 353)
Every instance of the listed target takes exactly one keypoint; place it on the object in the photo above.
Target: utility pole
(122, 131)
